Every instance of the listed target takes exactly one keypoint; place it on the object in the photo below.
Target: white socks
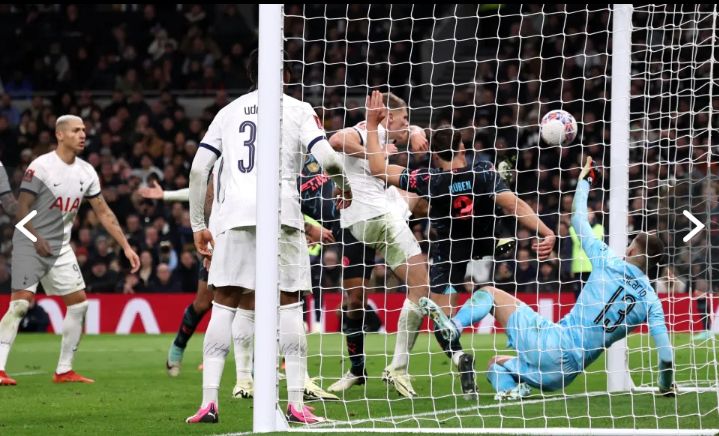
(8, 328)
(293, 345)
(216, 345)
(410, 319)
(71, 334)
(243, 335)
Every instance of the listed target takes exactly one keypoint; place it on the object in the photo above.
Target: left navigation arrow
(21, 226)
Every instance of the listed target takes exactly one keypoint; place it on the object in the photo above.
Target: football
(558, 127)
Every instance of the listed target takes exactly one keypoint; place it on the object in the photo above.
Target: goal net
(492, 72)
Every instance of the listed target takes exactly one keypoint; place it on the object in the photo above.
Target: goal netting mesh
(494, 71)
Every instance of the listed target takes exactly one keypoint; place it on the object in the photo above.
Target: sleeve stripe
(211, 148)
(94, 195)
(3, 193)
(28, 190)
(360, 135)
(314, 141)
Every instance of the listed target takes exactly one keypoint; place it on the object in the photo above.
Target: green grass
(133, 395)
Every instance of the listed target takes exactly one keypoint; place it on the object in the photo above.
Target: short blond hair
(64, 119)
(393, 102)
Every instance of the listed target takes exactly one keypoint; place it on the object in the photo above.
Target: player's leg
(216, 346)
(503, 373)
(484, 301)
(405, 258)
(28, 268)
(232, 273)
(65, 279)
(445, 277)
(243, 336)
(353, 323)
(294, 281)
(76, 303)
(19, 304)
(357, 260)
(191, 318)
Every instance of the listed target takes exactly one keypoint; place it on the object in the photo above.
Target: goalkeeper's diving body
(616, 299)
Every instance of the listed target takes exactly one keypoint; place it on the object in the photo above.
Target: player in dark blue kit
(616, 299)
(462, 200)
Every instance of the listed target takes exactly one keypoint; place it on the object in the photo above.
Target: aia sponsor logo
(67, 205)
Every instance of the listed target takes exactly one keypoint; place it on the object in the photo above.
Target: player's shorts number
(250, 144)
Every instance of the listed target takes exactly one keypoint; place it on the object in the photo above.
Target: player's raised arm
(109, 222)
(378, 167)
(580, 217)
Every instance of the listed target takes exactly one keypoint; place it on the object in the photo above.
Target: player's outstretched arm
(109, 222)
(155, 192)
(378, 167)
(513, 205)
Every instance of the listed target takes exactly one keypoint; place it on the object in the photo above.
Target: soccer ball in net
(558, 127)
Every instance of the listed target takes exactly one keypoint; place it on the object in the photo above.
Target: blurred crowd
(540, 58)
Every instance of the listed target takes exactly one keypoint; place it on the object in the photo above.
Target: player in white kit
(232, 137)
(54, 185)
(376, 218)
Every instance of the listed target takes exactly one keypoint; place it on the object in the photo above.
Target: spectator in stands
(147, 268)
(164, 280)
(187, 271)
(101, 278)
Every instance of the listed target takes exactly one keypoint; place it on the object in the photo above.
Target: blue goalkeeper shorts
(543, 359)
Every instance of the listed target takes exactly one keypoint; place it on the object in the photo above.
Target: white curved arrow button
(699, 226)
(21, 226)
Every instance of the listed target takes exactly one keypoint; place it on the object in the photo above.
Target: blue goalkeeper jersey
(616, 299)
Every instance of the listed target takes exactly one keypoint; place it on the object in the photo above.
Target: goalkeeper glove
(589, 172)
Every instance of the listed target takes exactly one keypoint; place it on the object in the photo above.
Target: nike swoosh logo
(56, 184)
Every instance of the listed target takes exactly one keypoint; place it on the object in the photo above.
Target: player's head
(397, 121)
(253, 68)
(70, 133)
(446, 143)
(646, 251)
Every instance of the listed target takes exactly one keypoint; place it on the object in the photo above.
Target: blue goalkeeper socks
(474, 309)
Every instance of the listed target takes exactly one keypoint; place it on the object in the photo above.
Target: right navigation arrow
(699, 226)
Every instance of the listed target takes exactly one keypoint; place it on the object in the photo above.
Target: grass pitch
(133, 394)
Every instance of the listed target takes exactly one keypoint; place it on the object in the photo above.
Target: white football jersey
(60, 186)
(369, 199)
(233, 136)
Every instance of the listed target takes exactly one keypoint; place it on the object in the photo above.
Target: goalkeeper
(616, 299)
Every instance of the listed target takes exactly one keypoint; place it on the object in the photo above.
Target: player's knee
(18, 308)
(78, 308)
